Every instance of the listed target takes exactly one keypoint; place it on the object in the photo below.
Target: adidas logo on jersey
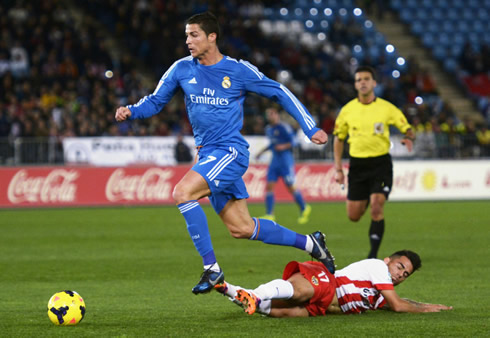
(193, 81)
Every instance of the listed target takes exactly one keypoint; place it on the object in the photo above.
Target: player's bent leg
(186, 193)
(236, 217)
(191, 187)
(355, 209)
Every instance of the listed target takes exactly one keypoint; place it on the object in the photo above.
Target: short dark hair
(412, 256)
(368, 69)
(208, 23)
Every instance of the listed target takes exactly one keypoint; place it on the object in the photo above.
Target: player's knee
(179, 195)
(376, 211)
(354, 217)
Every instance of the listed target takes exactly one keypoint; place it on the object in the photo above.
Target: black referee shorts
(368, 176)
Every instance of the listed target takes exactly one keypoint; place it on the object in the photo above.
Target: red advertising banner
(96, 186)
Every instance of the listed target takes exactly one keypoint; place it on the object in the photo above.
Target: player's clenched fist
(320, 137)
(122, 113)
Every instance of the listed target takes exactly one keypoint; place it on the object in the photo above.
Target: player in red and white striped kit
(309, 289)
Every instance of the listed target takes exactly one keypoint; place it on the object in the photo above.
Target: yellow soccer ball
(66, 308)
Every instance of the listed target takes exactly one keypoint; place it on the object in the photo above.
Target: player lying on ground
(309, 289)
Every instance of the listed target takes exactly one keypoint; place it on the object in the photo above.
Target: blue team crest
(226, 82)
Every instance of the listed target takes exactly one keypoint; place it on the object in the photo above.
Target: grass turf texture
(135, 268)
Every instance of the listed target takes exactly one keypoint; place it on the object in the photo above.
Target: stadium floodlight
(390, 48)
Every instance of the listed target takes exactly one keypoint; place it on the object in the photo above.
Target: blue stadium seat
(440, 52)
(417, 27)
(428, 40)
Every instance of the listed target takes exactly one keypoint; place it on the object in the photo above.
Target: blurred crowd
(66, 66)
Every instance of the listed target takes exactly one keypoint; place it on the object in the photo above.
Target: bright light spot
(284, 11)
(321, 36)
(309, 23)
(400, 61)
(313, 11)
(284, 76)
(419, 100)
(109, 74)
(357, 11)
(395, 74)
(357, 49)
(368, 24)
(327, 11)
(343, 11)
(390, 48)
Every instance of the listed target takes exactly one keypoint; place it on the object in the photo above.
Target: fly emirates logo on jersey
(209, 98)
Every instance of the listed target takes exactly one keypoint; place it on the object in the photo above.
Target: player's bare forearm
(283, 146)
(426, 307)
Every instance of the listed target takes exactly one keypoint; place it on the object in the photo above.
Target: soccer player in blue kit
(214, 87)
(282, 139)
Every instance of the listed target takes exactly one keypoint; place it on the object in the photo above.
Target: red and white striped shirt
(359, 285)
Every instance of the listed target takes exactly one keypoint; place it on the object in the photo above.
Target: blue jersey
(214, 98)
(280, 133)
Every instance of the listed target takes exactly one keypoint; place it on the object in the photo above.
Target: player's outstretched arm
(397, 304)
(122, 113)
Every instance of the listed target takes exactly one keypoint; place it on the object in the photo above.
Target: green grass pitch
(135, 268)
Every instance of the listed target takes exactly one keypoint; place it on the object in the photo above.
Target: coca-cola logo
(57, 186)
(152, 185)
(255, 179)
(319, 184)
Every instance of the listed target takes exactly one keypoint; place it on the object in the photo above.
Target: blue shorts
(223, 170)
(277, 170)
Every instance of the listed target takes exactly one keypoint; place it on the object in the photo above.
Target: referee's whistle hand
(320, 137)
(408, 143)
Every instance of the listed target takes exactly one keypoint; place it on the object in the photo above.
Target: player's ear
(212, 37)
(386, 260)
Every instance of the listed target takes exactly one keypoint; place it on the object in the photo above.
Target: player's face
(364, 83)
(272, 116)
(197, 41)
(400, 268)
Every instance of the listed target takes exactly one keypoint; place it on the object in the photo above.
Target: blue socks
(197, 226)
(298, 197)
(269, 203)
(272, 233)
